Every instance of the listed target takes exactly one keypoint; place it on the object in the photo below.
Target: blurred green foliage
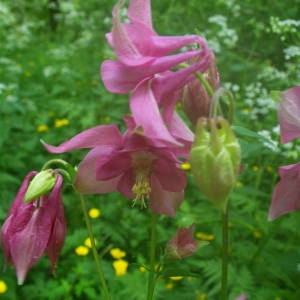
(50, 89)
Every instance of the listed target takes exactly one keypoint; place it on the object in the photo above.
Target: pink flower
(286, 195)
(33, 228)
(141, 53)
(182, 244)
(145, 66)
(289, 114)
(136, 166)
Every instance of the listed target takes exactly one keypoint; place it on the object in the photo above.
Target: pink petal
(286, 195)
(140, 10)
(146, 114)
(126, 183)
(113, 165)
(164, 202)
(86, 182)
(170, 177)
(93, 137)
(289, 115)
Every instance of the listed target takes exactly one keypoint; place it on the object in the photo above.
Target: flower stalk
(152, 250)
(225, 244)
(94, 249)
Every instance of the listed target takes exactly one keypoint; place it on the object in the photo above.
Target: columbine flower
(144, 67)
(182, 244)
(286, 195)
(138, 167)
(289, 114)
(33, 228)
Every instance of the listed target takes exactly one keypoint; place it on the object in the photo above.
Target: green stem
(152, 250)
(94, 249)
(224, 254)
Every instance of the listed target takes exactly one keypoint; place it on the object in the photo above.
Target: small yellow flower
(269, 169)
(201, 296)
(185, 166)
(176, 278)
(255, 168)
(117, 253)
(204, 236)
(277, 298)
(142, 269)
(61, 122)
(257, 234)
(105, 119)
(3, 287)
(42, 128)
(120, 267)
(94, 213)
(169, 285)
(82, 250)
(88, 242)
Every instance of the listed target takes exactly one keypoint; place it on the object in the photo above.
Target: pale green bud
(215, 159)
(41, 184)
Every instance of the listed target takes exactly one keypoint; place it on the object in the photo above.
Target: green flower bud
(215, 159)
(41, 184)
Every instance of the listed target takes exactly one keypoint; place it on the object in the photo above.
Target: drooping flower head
(34, 228)
(182, 244)
(289, 114)
(138, 167)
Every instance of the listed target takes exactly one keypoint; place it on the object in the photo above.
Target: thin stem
(152, 250)
(94, 249)
(224, 254)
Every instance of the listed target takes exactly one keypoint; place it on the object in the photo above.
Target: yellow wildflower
(185, 166)
(269, 169)
(61, 122)
(257, 234)
(42, 128)
(3, 287)
(117, 253)
(82, 250)
(88, 242)
(204, 236)
(169, 285)
(120, 267)
(201, 296)
(94, 213)
(255, 168)
(176, 278)
(142, 269)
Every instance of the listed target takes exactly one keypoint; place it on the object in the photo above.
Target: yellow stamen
(142, 167)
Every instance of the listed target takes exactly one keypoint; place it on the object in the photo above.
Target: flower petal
(86, 182)
(93, 137)
(289, 115)
(164, 202)
(286, 195)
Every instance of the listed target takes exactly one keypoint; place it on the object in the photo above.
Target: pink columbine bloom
(182, 244)
(289, 114)
(241, 297)
(138, 167)
(33, 228)
(286, 195)
(145, 67)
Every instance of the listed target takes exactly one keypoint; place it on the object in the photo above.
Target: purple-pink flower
(289, 114)
(34, 228)
(133, 164)
(147, 66)
(286, 195)
(182, 244)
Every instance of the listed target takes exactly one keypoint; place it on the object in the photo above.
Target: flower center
(142, 163)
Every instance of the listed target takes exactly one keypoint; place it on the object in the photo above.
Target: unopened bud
(215, 159)
(41, 184)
